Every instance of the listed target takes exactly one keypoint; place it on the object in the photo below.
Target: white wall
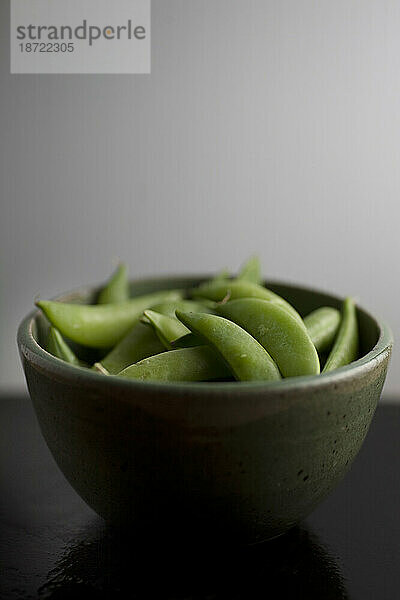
(269, 127)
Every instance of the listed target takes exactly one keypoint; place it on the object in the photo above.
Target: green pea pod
(322, 326)
(240, 289)
(251, 271)
(186, 364)
(58, 347)
(246, 358)
(117, 289)
(281, 334)
(101, 326)
(188, 341)
(345, 347)
(139, 343)
(166, 328)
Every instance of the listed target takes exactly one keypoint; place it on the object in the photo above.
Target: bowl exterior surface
(240, 462)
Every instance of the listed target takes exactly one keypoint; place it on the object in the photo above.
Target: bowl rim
(38, 356)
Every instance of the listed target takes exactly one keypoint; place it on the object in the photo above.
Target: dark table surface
(53, 546)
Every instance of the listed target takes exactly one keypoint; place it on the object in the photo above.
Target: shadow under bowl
(236, 461)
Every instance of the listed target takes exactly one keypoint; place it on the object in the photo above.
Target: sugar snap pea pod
(58, 347)
(101, 326)
(167, 328)
(251, 271)
(117, 289)
(188, 341)
(185, 364)
(246, 358)
(139, 343)
(322, 326)
(281, 334)
(345, 347)
(240, 289)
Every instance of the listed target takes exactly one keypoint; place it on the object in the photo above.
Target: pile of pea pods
(227, 328)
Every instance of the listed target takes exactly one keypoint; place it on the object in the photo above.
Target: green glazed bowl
(227, 461)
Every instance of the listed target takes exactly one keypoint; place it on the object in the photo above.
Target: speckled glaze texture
(244, 461)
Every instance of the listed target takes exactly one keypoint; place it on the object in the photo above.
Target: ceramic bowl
(227, 460)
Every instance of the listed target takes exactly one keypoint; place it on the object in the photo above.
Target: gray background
(269, 127)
